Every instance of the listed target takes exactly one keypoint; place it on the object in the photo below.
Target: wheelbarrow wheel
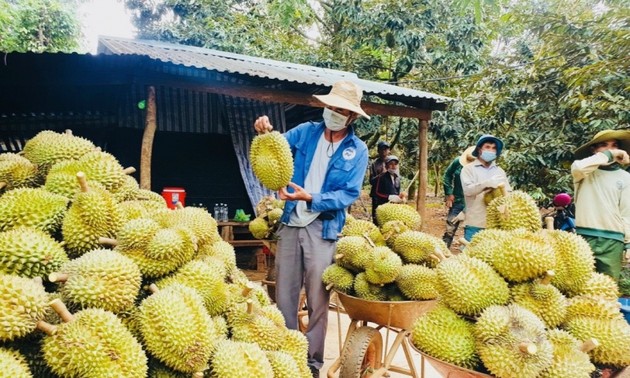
(362, 354)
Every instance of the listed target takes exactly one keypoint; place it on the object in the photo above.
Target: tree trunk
(422, 167)
(150, 125)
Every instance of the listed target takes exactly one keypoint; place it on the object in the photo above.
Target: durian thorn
(549, 275)
(179, 205)
(153, 288)
(247, 289)
(46, 327)
(61, 310)
(2, 184)
(504, 192)
(329, 286)
(108, 241)
(58, 277)
(529, 348)
(197, 374)
(464, 242)
(339, 256)
(369, 240)
(549, 223)
(129, 170)
(68, 132)
(62, 243)
(250, 306)
(82, 182)
(589, 344)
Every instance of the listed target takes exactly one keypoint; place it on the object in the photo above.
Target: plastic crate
(625, 308)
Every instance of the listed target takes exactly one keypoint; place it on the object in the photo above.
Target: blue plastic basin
(625, 308)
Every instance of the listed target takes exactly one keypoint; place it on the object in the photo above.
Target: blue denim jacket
(344, 177)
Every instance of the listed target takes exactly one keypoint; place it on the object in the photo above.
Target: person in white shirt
(602, 198)
(479, 177)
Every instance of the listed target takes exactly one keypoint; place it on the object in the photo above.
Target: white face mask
(334, 121)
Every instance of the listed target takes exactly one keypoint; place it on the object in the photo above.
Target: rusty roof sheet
(226, 62)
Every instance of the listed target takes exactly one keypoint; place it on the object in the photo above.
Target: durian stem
(82, 182)
(438, 255)
(549, 275)
(329, 286)
(464, 242)
(153, 288)
(2, 184)
(339, 256)
(179, 205)
(129, 170)
(108, 241)
(250, 306)
(198, 374)
(369, 240)
(247, 289)
(549, 223)
(58, 277)
(68, 132)
(46, 327)
(528, 348)
(61, 310)
(589, 345)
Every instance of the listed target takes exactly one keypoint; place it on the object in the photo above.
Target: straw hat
(346, 95)
(467, 157)
(623, 136)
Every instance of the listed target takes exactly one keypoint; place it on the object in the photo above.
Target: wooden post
(150, 125)
(423, 156)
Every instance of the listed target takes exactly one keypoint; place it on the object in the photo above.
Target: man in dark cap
(376, 168)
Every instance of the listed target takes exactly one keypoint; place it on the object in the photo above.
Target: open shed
(202, 102)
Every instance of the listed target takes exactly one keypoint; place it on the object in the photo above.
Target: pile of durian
(525, 302)
(98, 278)
(269, 211)
(393, 262)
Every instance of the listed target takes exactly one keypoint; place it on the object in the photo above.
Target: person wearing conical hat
(602, 197)
(454, 194)
(329, 163)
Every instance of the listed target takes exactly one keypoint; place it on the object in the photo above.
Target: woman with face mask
(387, 184)
(480, 177)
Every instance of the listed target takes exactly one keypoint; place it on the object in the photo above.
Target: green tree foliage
(39, 26)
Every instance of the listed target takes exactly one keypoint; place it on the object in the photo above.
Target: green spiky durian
(23, 302)
(353, 253)
(484, 243)
(240, 359)
(361, 227)
(101, 278)
(221, 250)
(469, 285)
(613, 336)
(395, 211)
(600, 285)
(62, 179)
(568, 360)
(29, 252)
(417, 282)
(339, 277)
(516, 210)
(137, 233)
(592, 307)
(48, 147)
(104, 168)
(108, 349)
(384, 266)
(32, 207)
(17, 172)
(283, 365)
(443, 334)
(13, 364)
(134, 209)
(492, 194)
(416, 247)
(512, 339)
(368, 291)
(196, 219)
(543, 299)
(271, 159)
(274, 215)
(574, 261)
(128, 190)
(177, 329)
(259, 228)
(523, 256)
(391, 229)
(249, 324)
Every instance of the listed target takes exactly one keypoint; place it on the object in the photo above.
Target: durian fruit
(416, 247)
(443, 334)
(207, 278)
(368, 291)
(105, 169)
(158, 370)
(497, 192)
(383, 267)
(243, 290)
(260, 228)
(354, 253)
(28, 252)
(296, 345)
(221, 250)
(48, 147)
(600, 285)
(248, 323)
(339, 278)
(569, 357)
(516, 210)
(23, 302)
(147, 195)
(107, 348)
(484, 243)
(390, 230)
(613, 336)
(128, 190)
(240, 359)
(177, 329)
(283, 365)
(512, 340)
(133, 209)
(62, 179)
(361, 227)
(137, 233)
(196, 219)
(101, 278)
(543, 299)
(574, 261)
(468, 285)
(32, 207)
(16, 172)
(417, 282)
(271, 159)
(523, 256)
(401, 212)
(13, 364)
(593, 307)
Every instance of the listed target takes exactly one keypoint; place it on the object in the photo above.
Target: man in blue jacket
(329, 165)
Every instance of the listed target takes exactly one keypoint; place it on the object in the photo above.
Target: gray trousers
(301, 258)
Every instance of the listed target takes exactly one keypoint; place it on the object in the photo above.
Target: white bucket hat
(345, 95)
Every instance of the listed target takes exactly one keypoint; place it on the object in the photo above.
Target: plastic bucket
(173, 195)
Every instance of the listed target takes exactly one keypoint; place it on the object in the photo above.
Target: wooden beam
(423, 177)
(146, 152)
(278, 95)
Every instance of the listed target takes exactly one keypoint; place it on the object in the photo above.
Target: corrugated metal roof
(221, 61)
